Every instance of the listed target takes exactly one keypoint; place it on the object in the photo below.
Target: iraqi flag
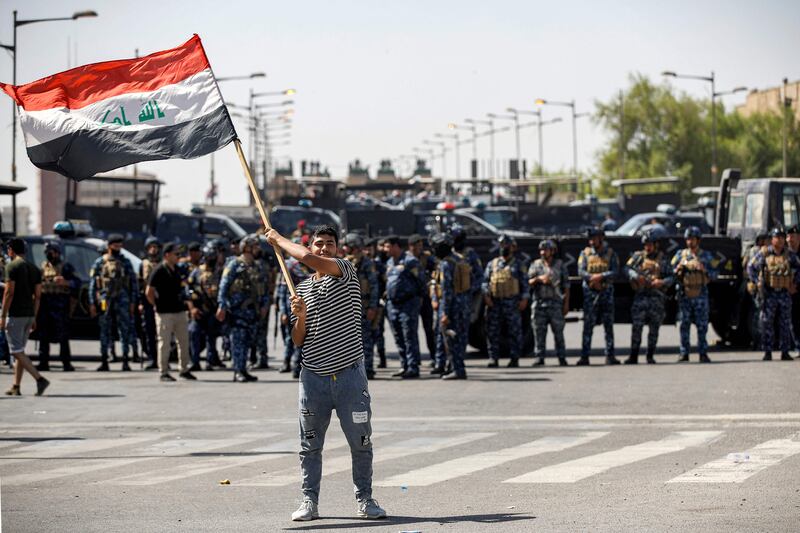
(107, 115)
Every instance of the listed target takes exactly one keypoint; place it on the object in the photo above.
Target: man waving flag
(107, 115)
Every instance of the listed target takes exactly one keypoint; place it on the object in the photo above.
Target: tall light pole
(571, 105)
(489, 123)
(453, 136)
(474, 130)
(13, 49)
(515, 117)
(444, 160)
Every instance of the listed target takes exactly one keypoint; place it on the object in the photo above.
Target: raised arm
(320, 264)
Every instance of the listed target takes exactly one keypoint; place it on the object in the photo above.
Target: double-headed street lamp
(444, 160)
(489, 123)
(474, 130)
(515, 117)
(455, 138)
(714, 94)
(245, 77)
(571, 105)
(13, 49)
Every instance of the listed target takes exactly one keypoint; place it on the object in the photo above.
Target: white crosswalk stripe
(470, 464)
(386, 453)
(578, 469)
(68, 447)
(736, 470)
(168, 448)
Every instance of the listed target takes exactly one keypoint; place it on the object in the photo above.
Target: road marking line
(584, 467)
(63, 448)
(390, 452)
(463, 466)
(725, 470)
(169, 448)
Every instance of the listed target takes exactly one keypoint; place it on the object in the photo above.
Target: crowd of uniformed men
(228, 289)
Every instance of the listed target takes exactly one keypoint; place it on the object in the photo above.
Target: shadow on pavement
(83, 396)
(349, 522)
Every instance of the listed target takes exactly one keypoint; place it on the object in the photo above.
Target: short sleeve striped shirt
(333, 321)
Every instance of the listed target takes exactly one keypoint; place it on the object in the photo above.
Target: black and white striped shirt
(333, 321)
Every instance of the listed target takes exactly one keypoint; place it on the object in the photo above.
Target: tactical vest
(462, 280)
(596, 263)
(502, 283)
(112, 276)
(49, 273)
(777, 271)
(209, 283)
(692, 278)
(363, 280)
(148, 265)
(246, 283)
(552, 290)
(649, 268)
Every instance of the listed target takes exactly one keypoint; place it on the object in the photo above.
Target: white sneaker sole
(304, 518)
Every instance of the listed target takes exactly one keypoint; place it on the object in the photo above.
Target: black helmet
(52, 246)
(651, 235)
(250, 239)
(547, 244)
(114, 238)
(777, 231)
(594, 232)
(457, 230)
(210, 252)
(354, 240)
(692, 231)
(440, 239)
(151, 240)
(506, 240)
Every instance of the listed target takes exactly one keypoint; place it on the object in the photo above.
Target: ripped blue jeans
(348, 394)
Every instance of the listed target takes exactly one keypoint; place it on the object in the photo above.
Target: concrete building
(769, 100)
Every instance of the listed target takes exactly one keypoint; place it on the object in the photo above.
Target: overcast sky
(374, 78)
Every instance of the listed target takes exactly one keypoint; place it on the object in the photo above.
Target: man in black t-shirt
(20, 305)
(165, 291)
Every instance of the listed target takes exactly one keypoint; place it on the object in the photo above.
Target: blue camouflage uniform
(693, 296)
(452, 295)
(148, 314)
(203, 284)
(378, 332)
(598, 305)
(505, 281)
(428, 266)
(292, 355)
(113, 288)
(260, 345)
(405, 283)
(370, 298)
(548, 305)
(52, 322)
(649, 302)
(775, 274)
(240, 297)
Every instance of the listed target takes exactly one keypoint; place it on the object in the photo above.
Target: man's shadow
(348, 522)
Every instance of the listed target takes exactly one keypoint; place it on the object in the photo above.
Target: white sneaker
(370, 509)
(307, 511)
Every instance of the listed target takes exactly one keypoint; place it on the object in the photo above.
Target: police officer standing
(693, 268)
(152, 246)
(113, 292)
(60, 287)
(598, 266)
(204, 328)
(650, 275)
(549, 281)
(241, 304)
(776, 270)
(751, 286)
(381, 257)
(451, 301)
(427, 265)
(259, 354)
(505, 293)
(405, 284)
(368, 280)
(292, 355)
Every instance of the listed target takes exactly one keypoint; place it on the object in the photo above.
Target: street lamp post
(474, 130)
(571, 105)
(444, 160)
(453, 136)
(489, 123)
(13, 49)
(515, 117)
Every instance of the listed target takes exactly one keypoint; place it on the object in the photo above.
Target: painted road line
(470, 464)
(386, 453)
(731, 469)
(163, 449)
(64, 448)
(578, 469)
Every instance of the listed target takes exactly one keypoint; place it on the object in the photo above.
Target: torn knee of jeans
(310, 434)
(366, 441)
(306, 412)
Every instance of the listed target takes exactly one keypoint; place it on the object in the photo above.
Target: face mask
(505, 252)
(383, 255)
(116, 253)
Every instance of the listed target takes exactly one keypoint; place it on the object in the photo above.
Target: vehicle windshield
(632, 225)
(499, 219)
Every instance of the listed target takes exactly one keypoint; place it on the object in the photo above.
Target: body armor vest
(247, 283)
(49, 273)
(112, 277)
(777, 271)
(650, 268)
(596, 263)
(363, 280)
(148, 265)
(552, 290)
(502, 283)
(209, 284)
(462, 281)
(692, 278)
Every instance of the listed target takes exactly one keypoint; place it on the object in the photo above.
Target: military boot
(683, 358)
(583, 361)
(562, 361)
(633, 358)
(767, 356)
(513, 363)
(539, 362)
(612, 361)
(704, 358)
(785, 356)
(103, 365)
(650, 359)
(492, 363)
(382, 360)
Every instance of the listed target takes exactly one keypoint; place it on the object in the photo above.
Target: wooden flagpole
(263, 213)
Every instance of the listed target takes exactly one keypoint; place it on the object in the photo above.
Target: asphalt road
(552, 449)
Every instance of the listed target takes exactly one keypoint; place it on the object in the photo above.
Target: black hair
(325, 229)
(394, 239)
(17, 245)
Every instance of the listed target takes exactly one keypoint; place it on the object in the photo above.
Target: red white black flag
(107, 115)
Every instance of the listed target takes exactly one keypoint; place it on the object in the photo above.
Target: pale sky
(374, 78)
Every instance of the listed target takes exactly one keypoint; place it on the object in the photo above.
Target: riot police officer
(451, 302)
(368, 280)
(549, 281)
(380, 258)
(292, 355)
(598, 266)
(60, 287)
(650, 276)
(259, 354)
(427, 266)
(241, 304)
(776, 271)
(405, 284)
(469, 254)
(113, 292)
(693, 268)
(505, 293)
(152, 259)
(751, 286)
(204, 328)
